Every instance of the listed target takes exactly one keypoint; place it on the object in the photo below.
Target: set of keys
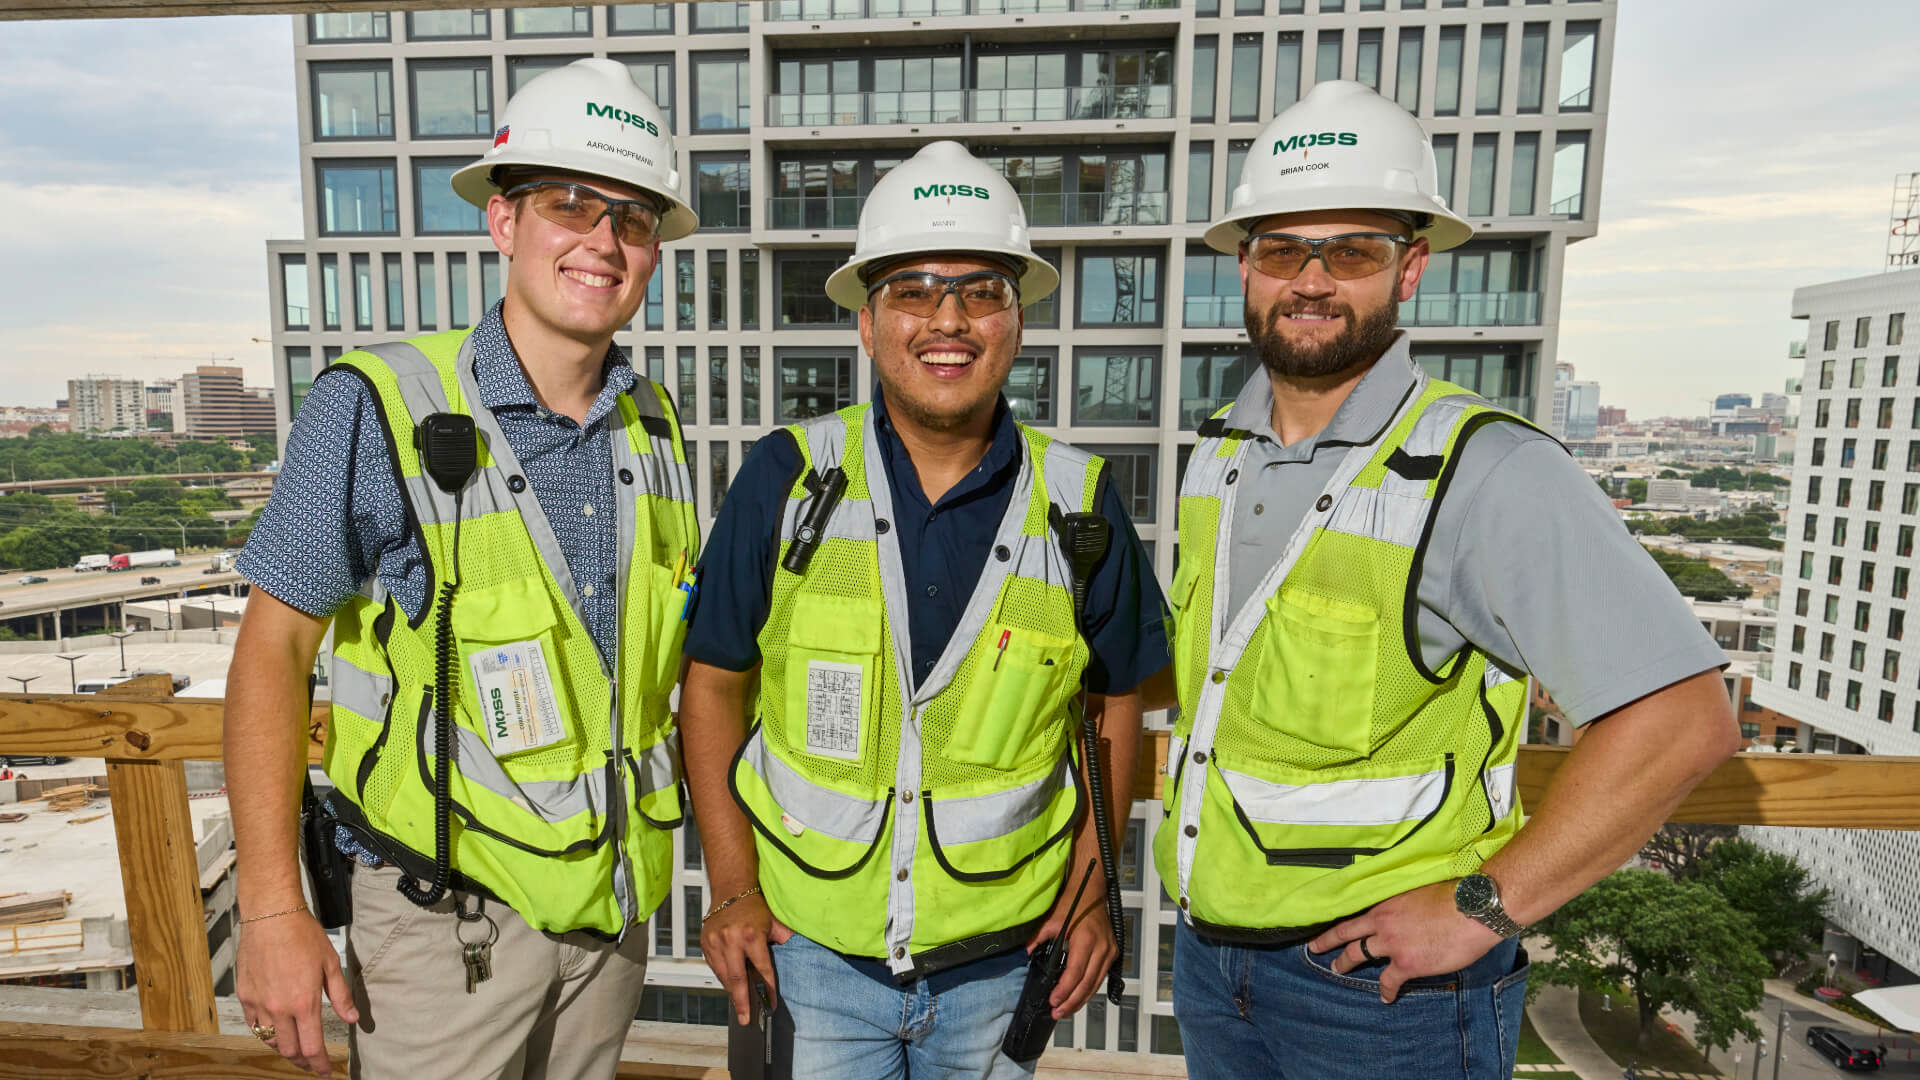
(476, 955)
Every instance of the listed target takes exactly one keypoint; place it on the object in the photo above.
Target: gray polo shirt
(1528, 560)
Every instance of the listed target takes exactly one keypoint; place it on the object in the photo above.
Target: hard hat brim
(847, 286)
(474, 183)
(1447, 229)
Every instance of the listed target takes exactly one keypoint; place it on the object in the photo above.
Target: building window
(395, 271)
(1826, 639)
(721, 192)
(1857, 374)
(717, 289)
(1810, 530)
(1799, 639)
(812, 383)
(1843, 492)
(1327, 47)
(1212, 293)
(800, 287)
(1119, 288)
(356, 198)
(1876, 495)
(1853, 412)
(452, 99)
(1526, 165)
(1533, 67)
(718, 17)
(1570, 174)
(1862, 328)
(654, 310)
(1836, 569)
(1819, 455)
(352, 100)
(438, 211)
(1813, 491)
(720, 96)
(361, 266)
(689, 384)
(1853, 694)
(1576, 67)
(1206, 64)
(1446, 87)
(1243, 94)
(575, 21)
(1899, 589)
(1826, 374)
(1857, 656)
(1406, 79)
(1822, 412)
(717, 388)
(294, 293)
(1493, 59)
(1890, 665)
(1131, 471)
(1211, 377)
(1823, 685)
(1793, 676)
(489, 279)
(653, 73)
(457, 297)
(717, 473)
(1897, 328)
(1866, 579)
(1890, 371)
(1880, 447)
(640, 19)
(749, 386)
(1802, 599)
(1862, 615)
(749, 288)
(1910, 499)
(1480, 175)
(1114, 388)
(456, 24)
(1045, 312)
(1883, 416)
(1903, 541)
(1847, 452)
(1443, 158)
(424, 291)
(1286, 73)
(1896, 624)
(1832, 334)
(1886, 704)
(683, 289)
(347, 26)
(329, 292)
(1806, 563)
(1029, 388)
(1200, 181)
(1366, 59)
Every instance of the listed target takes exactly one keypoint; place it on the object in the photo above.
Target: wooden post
(160, 871)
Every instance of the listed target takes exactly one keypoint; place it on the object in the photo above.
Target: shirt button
(586, 591)
(899, 954)
(587, 510)
(933, 590)
(1199, 757)
(1219, 676)
(1183, 903)
(901, 876)
(932, 517)
(1193, 830)
(906, 797)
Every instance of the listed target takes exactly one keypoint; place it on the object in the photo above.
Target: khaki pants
(557, 1007)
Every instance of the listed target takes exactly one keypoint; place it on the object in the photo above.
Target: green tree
(1774, 891)
(1669, 474)
(1674, 944)
(1681, 849)
(1697, 577)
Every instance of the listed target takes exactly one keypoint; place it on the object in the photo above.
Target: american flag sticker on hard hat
(500, 137)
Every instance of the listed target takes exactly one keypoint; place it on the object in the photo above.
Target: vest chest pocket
(832, 676)
(512, 668)
(1315, 680)
(666, 630)
(1011, 695)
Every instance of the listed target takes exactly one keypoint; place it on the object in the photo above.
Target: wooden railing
(42, 937)
(146, 737)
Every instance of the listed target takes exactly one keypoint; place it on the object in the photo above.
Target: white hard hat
(587, 117)
(941, 199)
(1342, 147)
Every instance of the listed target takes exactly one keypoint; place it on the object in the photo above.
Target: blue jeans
(850, 1025)
(1282, 1013)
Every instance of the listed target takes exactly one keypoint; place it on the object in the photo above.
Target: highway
(65, 589)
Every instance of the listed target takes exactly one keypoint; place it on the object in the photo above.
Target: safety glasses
(580, 208)
(1345, 257)
(982, 293)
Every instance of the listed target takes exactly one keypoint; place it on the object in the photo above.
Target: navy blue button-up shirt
(943, 552)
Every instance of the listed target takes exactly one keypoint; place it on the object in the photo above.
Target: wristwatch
(1477, 897)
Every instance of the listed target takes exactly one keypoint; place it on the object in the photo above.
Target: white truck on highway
(91, 562)
(220, 563)
(140, 560)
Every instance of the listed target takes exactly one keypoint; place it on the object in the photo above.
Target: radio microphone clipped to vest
(827, 490)
(450, 454)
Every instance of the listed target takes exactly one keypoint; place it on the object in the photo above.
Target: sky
(1751, 149)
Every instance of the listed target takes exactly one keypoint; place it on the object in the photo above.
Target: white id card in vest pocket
(516, 703)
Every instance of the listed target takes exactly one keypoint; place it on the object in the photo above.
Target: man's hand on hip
(284, 964)
(735, 940)
(1418, 933)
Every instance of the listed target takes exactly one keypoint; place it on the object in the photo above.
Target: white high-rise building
(1843, 665)
(107, 403)
(1122, 124)
(1576, 405)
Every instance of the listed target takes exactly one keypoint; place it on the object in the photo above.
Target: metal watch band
(1499, 922)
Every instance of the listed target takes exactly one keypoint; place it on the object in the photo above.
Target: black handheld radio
(1032, 1025)
(450, 453)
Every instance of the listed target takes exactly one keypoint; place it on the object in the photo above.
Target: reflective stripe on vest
(577, 791)
(1337, 816)
(841, 830)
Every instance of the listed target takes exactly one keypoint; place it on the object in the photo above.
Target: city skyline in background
(1712, 215)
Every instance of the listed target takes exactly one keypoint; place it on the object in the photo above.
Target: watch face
(1475, 894)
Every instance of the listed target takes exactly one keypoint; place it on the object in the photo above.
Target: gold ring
(263, 1032)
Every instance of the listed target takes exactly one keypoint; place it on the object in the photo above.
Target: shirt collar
(1002, 452)
(503, 383)
(1362, 418)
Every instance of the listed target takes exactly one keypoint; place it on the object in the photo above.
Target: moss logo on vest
(948, 191)
(610, 112)
(1303, 143)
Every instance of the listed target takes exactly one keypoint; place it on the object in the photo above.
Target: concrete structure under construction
(1844, 668)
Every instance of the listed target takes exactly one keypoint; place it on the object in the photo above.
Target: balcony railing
(1472, 309)
(1796, 350)
(828, 10)
(1043, 210)
(147, 737)
(1210, 312)
(970, 106)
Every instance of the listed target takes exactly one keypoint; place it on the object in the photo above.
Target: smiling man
(886, 596)
(1372, 563)
(492, 521)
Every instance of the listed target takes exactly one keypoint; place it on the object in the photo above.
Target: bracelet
(727, 903)
(275, 915)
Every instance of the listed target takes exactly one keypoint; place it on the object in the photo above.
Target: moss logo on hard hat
(610, 112)
(965, 191)
(1303, 143)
